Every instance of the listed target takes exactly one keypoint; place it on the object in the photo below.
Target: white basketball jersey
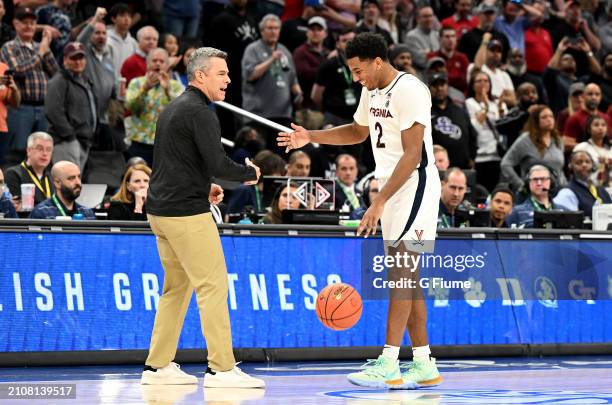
(387, 112)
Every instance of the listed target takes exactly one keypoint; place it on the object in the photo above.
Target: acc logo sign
(546, 292)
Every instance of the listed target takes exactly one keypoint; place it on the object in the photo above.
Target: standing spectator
(575, 103)
(456, 62)
(424, 38)
(67, 182)
(598, 146)
(538, 42)
(575, 127)
(308, 57)
(32, 64)
(463, 20)
(34, 169)
(539, 183)
(6, 31)
(450, 125)
(513, 23)
(406, 10)
(182, 18)
(470, 42)
(70, 107)
(541, 143)
(369, 23)
(390, 20)
(136, 65)
(129, 202)
(501, 204)
(293, 31)
(9, 96)
(580, 192)
(55, 14)
(269, 81)
(401, 59)
(489, 60)
(7, 209)
(517, 69)
(483, 113)
(99, 71)
(120, 41)
(512, 124)
(341, 14)
(147, 96)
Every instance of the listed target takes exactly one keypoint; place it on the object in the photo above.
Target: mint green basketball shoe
(376, 373)
(420, 374)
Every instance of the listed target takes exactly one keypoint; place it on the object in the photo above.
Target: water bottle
(78, 217)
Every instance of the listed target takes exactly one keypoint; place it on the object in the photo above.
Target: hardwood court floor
(575, 380)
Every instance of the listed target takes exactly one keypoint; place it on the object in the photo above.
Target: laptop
(92, 195)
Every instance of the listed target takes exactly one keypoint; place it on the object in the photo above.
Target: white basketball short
(411, 214)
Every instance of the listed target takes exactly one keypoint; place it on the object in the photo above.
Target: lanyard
(445, 222)
(257, 198)
(58, 205)
(347, 76)
(593, 191)
(47, 190)
(537, 205)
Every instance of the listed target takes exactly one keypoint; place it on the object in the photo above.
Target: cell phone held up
(5, 78)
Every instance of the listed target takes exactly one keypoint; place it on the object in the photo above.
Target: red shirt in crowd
(461, 26)
(133, 67)
(575, 127)
(538, 49)
(456, 66)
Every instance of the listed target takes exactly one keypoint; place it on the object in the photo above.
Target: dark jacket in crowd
(451, 128)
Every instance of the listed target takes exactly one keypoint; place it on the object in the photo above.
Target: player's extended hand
(369, 222)
(293, 140)
(215, 196)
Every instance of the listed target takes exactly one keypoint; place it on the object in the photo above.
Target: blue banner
(100, 292)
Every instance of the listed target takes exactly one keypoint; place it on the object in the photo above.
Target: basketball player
(395, 108)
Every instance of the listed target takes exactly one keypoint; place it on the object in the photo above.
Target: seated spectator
(283, 199)
(424, 39)
(575, 103)
(7, 208)
(456, 62)
(541, 143)
(371, 17)
(67, 182)
(539, 183)
(450, 125)
(348, 198)
(489, 60)
(136, 65)
(454, 187)
(598, 146)
(9, 96)
(35, 169)
(247, 144)
(299, 164)
(120, 41)
(437, 65)
(581, 194)
(146, 97)
(513, 123)
(441, 156)
(575, 127)
(484, 112)
(401, 59)
(270, 164)
(70, 107)
(129, 202)
(370, 191)
(501, 204)
(463, 20)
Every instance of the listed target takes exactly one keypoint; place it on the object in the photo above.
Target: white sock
(421, 353)
(391, 352)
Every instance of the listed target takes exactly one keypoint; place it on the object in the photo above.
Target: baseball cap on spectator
(577, 87)
(436, 60)
(437, 78)
(24, 12)
(485, 8)
(366, 3)
(397, 50)
(320, 21)
(494, 43)
(73, 48)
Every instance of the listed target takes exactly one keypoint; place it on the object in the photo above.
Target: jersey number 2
(379, 142)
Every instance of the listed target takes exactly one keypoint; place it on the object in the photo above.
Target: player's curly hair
(367, 46)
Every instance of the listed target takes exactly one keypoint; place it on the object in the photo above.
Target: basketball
(339, 306)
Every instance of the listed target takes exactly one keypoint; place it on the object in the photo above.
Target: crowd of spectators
(521, 98)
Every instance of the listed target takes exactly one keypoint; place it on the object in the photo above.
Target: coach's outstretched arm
(348, 134)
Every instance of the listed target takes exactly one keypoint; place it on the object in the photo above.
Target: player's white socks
(391, 352)
(421, 354)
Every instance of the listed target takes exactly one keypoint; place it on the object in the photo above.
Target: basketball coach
(187, 154)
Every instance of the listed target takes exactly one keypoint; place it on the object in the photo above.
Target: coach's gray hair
(34, 136)
(266, 18)
(154, 51)
(199, 60)
(537, 167)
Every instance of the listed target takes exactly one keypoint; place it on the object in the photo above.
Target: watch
(590, 54)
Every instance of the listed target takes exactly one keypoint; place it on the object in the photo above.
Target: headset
(554, 180)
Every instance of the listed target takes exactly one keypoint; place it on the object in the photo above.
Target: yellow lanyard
(593, 191)
(47, 190)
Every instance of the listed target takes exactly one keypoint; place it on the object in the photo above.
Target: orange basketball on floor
(339, 306)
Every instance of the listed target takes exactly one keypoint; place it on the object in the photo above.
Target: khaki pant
(192, 257)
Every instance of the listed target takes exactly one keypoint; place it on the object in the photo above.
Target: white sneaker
(169, 375)
(234, 378)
